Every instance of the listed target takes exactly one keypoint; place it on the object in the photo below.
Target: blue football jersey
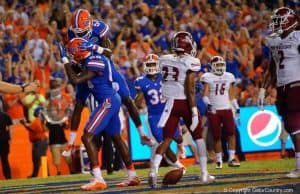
(99, 30)
(101, 85)
(82, 92)
(152, 93)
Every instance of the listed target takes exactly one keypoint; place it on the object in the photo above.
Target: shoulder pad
(166, 57)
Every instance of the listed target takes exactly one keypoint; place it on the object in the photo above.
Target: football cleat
(233, 163)
(93, 185)
(67, 151)
(206, 179)
(147, 141)
(152, 179)
(294, 174)
(219, 165)
(130, 181)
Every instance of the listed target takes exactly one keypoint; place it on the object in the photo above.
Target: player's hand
(195, 120)
(211, 109)
(32, 87)
(261, 98)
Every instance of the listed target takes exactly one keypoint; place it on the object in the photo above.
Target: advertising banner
(260, 130)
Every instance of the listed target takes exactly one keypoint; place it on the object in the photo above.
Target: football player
(178, 87)
(98, 76)
(96, 32)
(283, 71)
(218, 95)
(149, 88)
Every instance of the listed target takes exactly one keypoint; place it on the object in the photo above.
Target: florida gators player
(149, 88)
(178, 86)
(283, 71)
(99, 78)
(96, 32)
(218, 95)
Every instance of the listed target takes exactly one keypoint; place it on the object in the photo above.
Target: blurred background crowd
(30, 29)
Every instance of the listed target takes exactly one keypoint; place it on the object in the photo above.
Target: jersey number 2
(281, 57)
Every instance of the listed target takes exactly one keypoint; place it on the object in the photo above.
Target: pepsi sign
(260, 130)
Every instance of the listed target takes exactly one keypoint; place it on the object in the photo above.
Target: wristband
(65, 60)
(262, 92)
(194, 111)
(235, 104)
(99, 49)
(23, 87)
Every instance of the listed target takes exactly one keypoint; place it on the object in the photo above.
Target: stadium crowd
(30, 30)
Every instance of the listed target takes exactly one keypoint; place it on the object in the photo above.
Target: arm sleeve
(137, 83)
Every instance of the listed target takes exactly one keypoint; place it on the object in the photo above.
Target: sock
(156, 162)
(73, 135)
(231, 155)
(153, 151)
(219, 157)
(201, 148)
(176, 164)
(141, 130)
(97, 173)
(131, 170)
(297, 156)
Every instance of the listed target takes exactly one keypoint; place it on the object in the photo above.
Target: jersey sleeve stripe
(104, 31)
(96, 64)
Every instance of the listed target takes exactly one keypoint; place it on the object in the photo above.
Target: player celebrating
(149, 88)
(98, 76)
(284, 44)
(178, 87)
(217, 95)
(96, 32)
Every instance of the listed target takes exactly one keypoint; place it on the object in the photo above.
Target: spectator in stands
(5, 136)
(38, 138)
(57, 142)
(31, 101)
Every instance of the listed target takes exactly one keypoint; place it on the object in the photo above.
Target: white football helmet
(283, 19)
(218, 65)
(151, 64)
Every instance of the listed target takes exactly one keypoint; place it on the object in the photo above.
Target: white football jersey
(174, 69)
(286, 56)
(219, 89)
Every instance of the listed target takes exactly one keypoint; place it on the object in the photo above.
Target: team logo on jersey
(107, 103)
(264, 128)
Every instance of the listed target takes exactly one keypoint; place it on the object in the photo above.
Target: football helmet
(183, 42)
(75, 50)
(151, 64)
(81, 23)
(218, 65)
(283, 19)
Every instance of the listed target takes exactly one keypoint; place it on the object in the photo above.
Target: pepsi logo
(264, 128)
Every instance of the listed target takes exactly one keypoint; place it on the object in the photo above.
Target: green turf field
(258, 174)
